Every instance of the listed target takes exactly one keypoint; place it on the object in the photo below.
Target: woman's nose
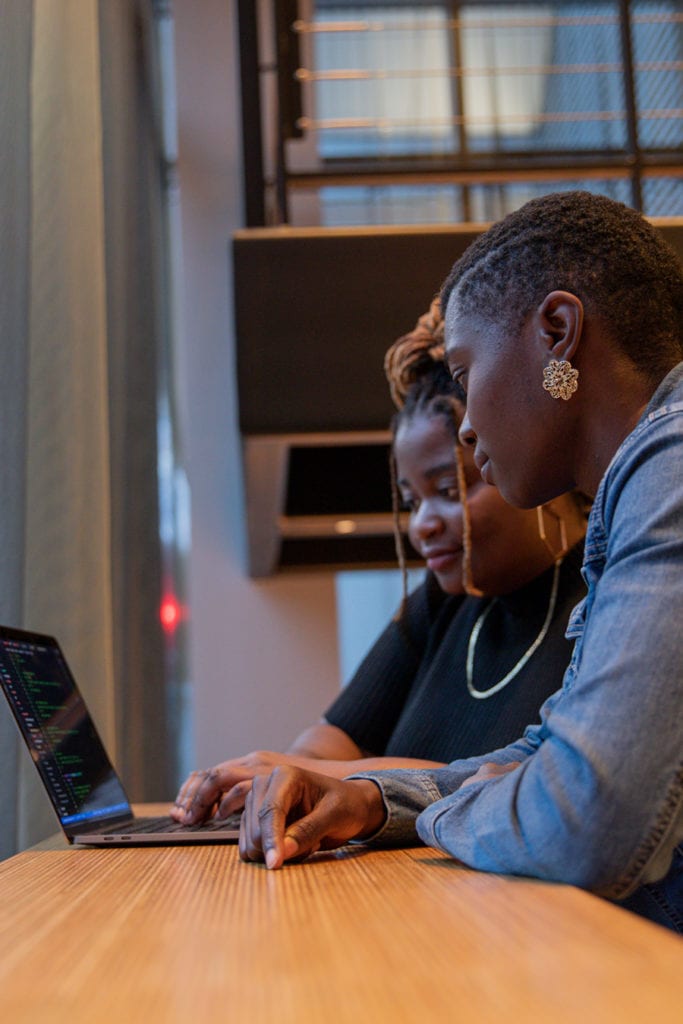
(426, 523)
(466, 433)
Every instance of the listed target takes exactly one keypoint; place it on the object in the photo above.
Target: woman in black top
(477, 648)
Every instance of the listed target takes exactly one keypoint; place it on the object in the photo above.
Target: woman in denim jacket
(435, 685)
(564, 331)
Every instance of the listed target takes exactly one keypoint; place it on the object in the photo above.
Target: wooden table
(193, 935)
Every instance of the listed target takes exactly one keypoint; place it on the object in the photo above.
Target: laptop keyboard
(165, 824)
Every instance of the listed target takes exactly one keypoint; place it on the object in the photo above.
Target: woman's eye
(459, 387)
(449, 492)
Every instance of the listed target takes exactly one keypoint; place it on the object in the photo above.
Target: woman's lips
(483, 464)
(441, 561)
(486, 473)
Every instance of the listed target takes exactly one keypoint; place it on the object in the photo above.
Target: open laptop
(80, 780)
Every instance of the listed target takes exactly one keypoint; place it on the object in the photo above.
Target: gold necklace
(476, 630)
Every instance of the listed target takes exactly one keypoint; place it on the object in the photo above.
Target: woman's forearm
(328, 750)
(326, 742)
(340, 769)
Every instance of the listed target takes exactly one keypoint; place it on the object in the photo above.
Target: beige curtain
(15, 50)
(80, 335)
(67, 541)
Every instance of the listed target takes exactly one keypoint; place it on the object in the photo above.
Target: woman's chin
(451, 582)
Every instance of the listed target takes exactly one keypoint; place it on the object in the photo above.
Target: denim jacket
(597, 800)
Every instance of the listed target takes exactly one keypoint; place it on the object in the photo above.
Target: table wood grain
(192, 934)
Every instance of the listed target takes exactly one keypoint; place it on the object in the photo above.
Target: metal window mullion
(633, 143)
(459, 99)
(252, 142)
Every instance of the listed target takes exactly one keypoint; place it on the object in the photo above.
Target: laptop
(73, 765)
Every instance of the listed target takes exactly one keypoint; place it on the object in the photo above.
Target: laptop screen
(59, 731)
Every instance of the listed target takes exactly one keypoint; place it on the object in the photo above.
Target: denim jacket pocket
(592, 569)
(574, 631)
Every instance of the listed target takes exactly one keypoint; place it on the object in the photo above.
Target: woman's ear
(560, 318)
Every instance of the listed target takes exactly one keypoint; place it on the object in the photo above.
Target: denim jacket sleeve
(407, 792)
(600, 802)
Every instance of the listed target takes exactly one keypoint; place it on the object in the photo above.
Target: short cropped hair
(600, 250)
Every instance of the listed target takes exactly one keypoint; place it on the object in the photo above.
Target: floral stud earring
(560, 379)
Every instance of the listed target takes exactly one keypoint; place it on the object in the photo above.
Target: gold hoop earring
(557, 555)
(560, 379)
(467, 581)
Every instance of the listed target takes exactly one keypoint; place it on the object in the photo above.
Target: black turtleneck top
(409, 697)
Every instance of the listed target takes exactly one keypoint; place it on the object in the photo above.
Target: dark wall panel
(315, 313)
(317, 309)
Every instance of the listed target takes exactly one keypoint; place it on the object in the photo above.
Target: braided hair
(602, 251)
(420, 385)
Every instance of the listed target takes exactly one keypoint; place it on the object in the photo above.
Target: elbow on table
(614, 869)
(593, 834)
(591, 857)
(610, 850)
(588, 868)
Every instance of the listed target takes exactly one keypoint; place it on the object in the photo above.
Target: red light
(170, 613)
